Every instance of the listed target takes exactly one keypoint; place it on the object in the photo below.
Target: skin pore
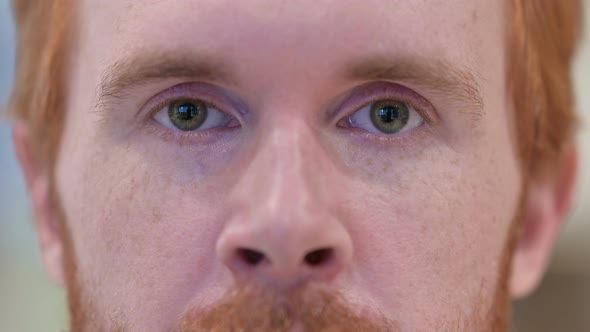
(291, 211)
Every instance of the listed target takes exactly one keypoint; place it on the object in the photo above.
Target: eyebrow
(137, 70)
(437, 75)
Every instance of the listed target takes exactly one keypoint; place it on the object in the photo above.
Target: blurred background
(29, 302)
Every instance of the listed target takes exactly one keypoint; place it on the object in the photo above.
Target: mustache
(257, 309)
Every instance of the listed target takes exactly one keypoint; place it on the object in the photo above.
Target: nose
(284, 229)
(284, 257)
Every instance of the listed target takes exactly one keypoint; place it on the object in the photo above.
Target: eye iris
(187, 115)
(390, 116)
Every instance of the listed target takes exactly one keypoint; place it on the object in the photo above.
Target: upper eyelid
(369, 93)
(197, 91)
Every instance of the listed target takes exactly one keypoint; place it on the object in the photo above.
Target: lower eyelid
(410, 142)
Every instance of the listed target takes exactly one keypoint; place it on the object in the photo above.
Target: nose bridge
(297, 168)
(287, 172)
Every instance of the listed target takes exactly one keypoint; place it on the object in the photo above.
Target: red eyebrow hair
(139, 69)
(438, 75)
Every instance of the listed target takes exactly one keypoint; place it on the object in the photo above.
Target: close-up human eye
(189, 115)
(387, 117)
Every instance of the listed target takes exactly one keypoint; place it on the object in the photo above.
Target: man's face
(361, 148)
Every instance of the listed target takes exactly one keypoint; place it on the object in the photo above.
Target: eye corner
(344, 123)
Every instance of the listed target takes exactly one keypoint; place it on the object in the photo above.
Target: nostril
(319, 256)
(251, 257)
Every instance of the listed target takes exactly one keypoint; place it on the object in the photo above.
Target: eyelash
(378, 91)
(359, 98)
(188, 91)
(371, 93)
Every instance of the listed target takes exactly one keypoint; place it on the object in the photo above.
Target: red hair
(542, 37)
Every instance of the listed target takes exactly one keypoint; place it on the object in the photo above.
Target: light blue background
(29, 302)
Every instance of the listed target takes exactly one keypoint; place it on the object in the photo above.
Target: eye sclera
(379, 91)
(215, 98)
(399, 118)
(213, 118)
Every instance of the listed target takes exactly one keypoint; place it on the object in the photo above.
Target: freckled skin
(427, 218)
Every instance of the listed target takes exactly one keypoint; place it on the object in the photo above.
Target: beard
(254, 309)
(317, 308)
(314, 308)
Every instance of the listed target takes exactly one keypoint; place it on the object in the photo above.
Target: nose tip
(284, 262)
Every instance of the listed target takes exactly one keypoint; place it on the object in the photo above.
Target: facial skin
(411, 230)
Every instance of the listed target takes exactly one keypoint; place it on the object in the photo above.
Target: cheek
(143, 237)
(442, 220)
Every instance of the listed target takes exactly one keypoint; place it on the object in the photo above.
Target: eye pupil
(390, 116)
(187, 115)
(187, 111)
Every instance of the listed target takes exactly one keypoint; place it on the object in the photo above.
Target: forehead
(456, 30)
